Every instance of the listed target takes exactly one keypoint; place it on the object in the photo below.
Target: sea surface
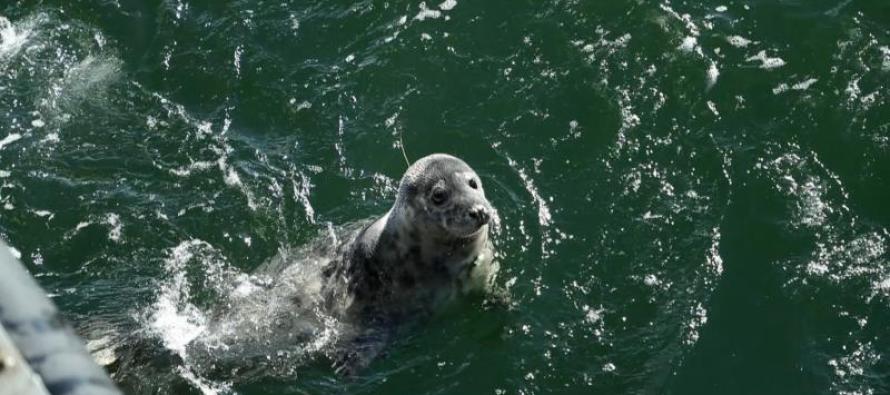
(694, 197)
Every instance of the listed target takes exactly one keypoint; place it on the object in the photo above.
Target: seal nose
(480, 215)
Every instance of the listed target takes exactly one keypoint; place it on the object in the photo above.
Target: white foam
(804, 85)
(100, 41)
(185, 171)
(800, 86)
(236, 59)
(447, 5)
(304, 105)
(817, 269)
(204, 128)
(648, 214)
(853, 91)
(176, 320)
(781, 88)
(177, 326)
(301, 194)
(38, 123)
(11, 138)
(738, 41)
(869, 99)
(37, 258)
(230, 176)
(426, 13)
(114, 221)
(714, 260)
(689, 44)
(713, 107)
(244, 287)
(767, 62)
(857, 258)
(883, 285)
(651, 280)
(51, 138)
(544, 217)
(11, 38)
(698, 320)
(857, 363)
(151, 122)
(812, 209)
(629, 119)
(685, 18)
(44, 213)
(592, 315)
(712, 74)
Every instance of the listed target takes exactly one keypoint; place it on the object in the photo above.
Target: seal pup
(430, 247)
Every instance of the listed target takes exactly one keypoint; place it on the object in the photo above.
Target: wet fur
(412, 260)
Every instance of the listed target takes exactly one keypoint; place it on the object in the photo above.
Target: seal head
(442, 197)
(431, 246)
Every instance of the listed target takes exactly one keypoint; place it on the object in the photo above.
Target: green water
(693, 198)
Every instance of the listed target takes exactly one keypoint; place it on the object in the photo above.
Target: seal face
(431, 246)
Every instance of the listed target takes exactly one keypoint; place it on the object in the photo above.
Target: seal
(429, 248)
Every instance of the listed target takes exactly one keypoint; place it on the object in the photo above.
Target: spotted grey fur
(429, 248)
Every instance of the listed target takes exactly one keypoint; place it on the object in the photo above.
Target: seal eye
(473, 184)
(439, 197)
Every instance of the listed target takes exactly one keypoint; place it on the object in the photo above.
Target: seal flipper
(359, 351)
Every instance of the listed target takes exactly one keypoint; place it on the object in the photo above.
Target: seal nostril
(480, 215)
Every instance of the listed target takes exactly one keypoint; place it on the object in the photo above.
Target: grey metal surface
(44, 340)
(16, 377)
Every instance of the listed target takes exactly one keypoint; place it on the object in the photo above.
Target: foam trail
(11, 138)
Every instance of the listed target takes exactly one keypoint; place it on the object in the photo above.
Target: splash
(270, 321)
(12, 38)
(175, 318)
